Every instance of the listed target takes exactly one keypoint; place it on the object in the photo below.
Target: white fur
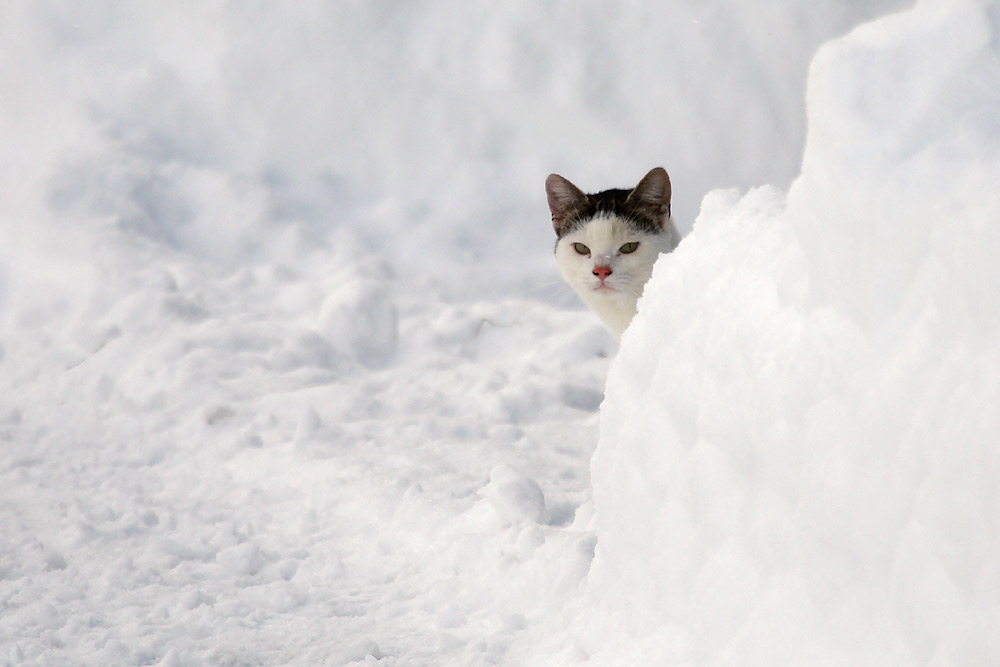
(615, 302)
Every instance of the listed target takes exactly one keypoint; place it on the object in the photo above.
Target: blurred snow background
(287, 374)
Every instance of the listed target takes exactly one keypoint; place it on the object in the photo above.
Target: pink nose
(602, 272)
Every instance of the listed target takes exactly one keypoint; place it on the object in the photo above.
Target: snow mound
(515, 497)
(798, 453)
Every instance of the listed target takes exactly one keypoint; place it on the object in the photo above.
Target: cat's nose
(602, 272)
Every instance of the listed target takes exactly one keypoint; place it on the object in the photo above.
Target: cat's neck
(616, 313)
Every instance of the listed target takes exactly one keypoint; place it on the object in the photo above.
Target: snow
(288, 374)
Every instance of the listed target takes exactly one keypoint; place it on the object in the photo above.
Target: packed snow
(288, 375)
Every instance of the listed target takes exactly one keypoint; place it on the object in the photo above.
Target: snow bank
(798, 452)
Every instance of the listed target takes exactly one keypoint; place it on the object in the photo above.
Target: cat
(607, 243)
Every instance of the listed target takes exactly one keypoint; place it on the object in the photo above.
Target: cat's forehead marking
(612, 204)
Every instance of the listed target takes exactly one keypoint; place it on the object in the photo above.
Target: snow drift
(799, 444)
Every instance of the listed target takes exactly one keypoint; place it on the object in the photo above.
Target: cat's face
(607, 242)
(606, 257)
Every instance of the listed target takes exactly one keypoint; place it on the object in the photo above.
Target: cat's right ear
(564, 200)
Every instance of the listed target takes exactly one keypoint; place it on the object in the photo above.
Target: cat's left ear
(653, 192)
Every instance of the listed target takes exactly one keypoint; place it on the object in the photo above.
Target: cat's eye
(582, 249)
(629, 248)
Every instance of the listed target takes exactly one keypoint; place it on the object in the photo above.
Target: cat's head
(608, 242)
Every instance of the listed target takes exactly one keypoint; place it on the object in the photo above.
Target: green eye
(582, 249)
(629, 248)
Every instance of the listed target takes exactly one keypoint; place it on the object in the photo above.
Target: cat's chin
(605, 290)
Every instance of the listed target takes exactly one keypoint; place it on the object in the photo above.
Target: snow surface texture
(288, 375)
(798, 458)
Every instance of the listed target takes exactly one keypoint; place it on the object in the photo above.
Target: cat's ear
(653, 193)
(564, 200)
